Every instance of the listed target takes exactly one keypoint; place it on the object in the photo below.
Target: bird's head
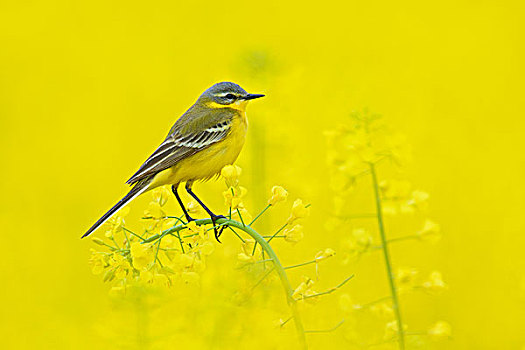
(226, 95)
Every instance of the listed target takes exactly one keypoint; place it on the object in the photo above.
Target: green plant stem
(301, 264)
(292, 303)
(133, 233)
(331, 290)
(377, 301)
(403, 238)
(276, 233)
(339, 324)
(393, 290)
(259, 215)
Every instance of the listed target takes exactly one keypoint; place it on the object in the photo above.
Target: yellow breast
(210, 161)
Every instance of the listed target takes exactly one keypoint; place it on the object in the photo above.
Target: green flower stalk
(355, 150)
(171, 251)
(278, 267)
(386, 254)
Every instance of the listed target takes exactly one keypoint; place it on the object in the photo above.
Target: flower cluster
(234, 194)
(133, 258)
(171, 252)
(352, 147)
(356, 151)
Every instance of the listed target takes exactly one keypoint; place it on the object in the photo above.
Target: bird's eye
(230, 96)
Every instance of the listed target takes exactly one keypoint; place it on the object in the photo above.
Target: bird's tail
(139, 188)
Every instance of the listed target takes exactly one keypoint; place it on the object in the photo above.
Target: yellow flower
(146, 276)
(154, 211)
(233, 197)
(167, 224)
(299, 211)
(392, 328)
(98, 262)
(193, 207)
(245, 214)
(207, 247)
(440, 330)
(389, 208)
(195, 229)
(405, 278)
(120, 265)
(154, 277)
(98, 241)
(247, 247)
(153, 216)
(310, 296)
(231, 174)
(161, 279)
(304, 289)
(418, 198)
(161, 195)
(293, 234)
(115, 224)
(362, 237)
(435, 283)
(383, 310)
(359, 242)
(430, 232)
(324, 254)
(182, 262)
(279, 194)
(246, 258)
(142, 255)
(395, 189)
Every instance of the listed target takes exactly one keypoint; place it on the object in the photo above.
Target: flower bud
(231, 174)
(293, 234)
(98, 241)
(279, 194)
(299, 210)
(324, 254)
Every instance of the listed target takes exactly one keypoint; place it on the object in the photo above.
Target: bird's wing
(180, 145)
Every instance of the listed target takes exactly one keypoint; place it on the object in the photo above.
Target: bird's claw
(218, 232)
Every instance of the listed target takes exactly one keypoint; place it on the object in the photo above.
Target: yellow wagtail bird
(209, 136)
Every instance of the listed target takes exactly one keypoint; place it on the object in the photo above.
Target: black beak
(251, 96)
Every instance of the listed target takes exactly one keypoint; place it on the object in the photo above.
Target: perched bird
(209, 136)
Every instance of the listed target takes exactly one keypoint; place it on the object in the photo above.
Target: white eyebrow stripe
(223, 94)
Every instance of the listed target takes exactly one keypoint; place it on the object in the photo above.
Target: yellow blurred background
(89, 89)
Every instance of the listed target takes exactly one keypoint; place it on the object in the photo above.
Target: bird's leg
(174, 190)
(210, 213)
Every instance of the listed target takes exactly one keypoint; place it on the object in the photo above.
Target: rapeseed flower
(299, 211)
(440, 330)
(293, 234)
(435, 283)
(231, 174)
(279, 194)
(142, 255)
(430, 232)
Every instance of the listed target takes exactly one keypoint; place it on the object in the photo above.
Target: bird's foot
(218, 232)
(189, 219)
